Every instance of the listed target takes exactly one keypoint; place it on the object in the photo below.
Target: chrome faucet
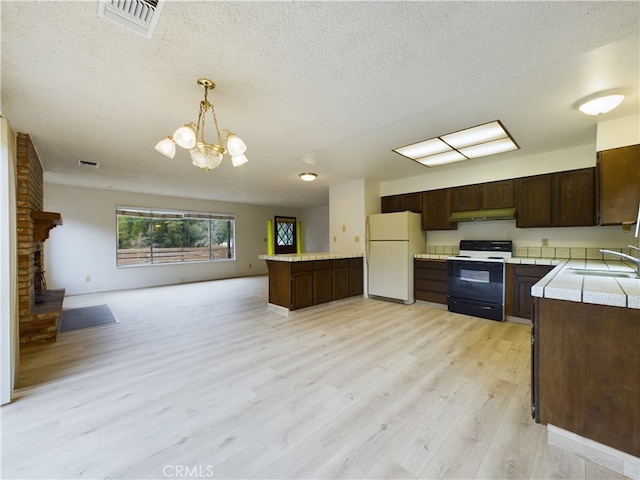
(632, 259)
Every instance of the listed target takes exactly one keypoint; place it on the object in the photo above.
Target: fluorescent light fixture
(479, 141)
(600, 105)
(308, 176)
(489, 148)
(424, 149)
(475, 135)
(442, 158)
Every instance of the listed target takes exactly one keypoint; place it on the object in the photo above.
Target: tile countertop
(518, 260)
(612, 291)
(305, 257)
(616, 292)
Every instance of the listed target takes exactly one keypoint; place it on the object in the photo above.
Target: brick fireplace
(39, 309)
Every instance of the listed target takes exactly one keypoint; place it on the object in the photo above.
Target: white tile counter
(611, 291)
(305, 257)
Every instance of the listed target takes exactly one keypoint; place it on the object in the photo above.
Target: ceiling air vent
(86, 164)
(139, 16)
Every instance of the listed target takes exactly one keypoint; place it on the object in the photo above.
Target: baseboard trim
(603, 455)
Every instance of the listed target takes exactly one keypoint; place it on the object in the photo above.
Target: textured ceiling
(330, 87)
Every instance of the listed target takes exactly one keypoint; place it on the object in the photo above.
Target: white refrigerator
(392, 241)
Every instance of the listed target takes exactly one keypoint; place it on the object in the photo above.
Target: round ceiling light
(601, 104)
(308, 176)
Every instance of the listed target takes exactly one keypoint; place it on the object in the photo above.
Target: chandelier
(206, 156)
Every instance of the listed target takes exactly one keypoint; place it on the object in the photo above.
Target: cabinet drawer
(430, 285)
(301, 267)
(537, 271)
(340, 263)
(322, 265)
(355, 262)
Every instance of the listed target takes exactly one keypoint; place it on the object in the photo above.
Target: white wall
(80, 255)
(499, 169)
(9, 338)
(347, 216)
(620, 132)
(601, 237)
(493, 168)
(315, 229)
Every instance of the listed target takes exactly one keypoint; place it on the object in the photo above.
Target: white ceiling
(329, 87)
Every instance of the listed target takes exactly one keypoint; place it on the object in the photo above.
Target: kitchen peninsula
(303, 280)
(586, 358)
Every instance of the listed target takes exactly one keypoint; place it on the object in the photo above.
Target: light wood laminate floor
(201, 381)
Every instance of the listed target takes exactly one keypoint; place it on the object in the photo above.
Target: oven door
(476, 287)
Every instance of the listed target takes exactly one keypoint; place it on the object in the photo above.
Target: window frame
(156, 214)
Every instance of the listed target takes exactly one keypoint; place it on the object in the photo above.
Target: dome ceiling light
(600, 103)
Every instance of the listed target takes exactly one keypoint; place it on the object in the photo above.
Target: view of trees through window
(153, 236)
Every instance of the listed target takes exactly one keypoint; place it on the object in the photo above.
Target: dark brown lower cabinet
(430, 280)
(518, 282)
(585, 375)
(356, 273)
(322, 282)
(295, 285)
(340, 278)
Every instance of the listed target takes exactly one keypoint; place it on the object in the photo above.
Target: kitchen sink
(600, 273)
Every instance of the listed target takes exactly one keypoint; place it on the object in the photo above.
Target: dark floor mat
(86, 317)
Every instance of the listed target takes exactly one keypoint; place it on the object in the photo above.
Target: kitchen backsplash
(536, 252)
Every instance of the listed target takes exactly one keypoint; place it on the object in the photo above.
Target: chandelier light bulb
(185, 137)
(235, 146)
(238, 160)
(166, 147)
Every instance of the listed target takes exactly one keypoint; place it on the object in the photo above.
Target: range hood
(482, 215)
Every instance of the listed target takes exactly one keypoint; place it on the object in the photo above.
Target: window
(285, 229)
(147, 236)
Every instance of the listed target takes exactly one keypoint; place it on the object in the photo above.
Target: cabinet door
(301, 290)
(390, 204)
(466, 198)
(356, 275)
(322, 286)
(340, 282)
(619, 175)
(521, 278)
(411, 202)
(534, 201)
(501, 194)
(574, 202)
(436, 209)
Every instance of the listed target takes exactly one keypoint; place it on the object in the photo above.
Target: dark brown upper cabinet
(619, 179)
(484, 196)
(401, 203)
(562, 199)
(436, 209)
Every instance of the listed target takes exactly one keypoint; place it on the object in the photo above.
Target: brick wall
(37, 325)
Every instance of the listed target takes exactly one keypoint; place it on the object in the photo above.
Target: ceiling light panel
(480, 141)
(475, 135)
(423, 149)
(442, 158)
(489, 148)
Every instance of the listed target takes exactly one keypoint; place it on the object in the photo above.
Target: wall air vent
(86, 164)
(139, 16)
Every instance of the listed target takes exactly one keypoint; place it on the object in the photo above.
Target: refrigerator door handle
(366, 240)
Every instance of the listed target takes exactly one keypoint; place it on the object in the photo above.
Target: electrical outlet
(249, 265)
(88, 279)
(356, 239)
(344, 228)
(545, 242)
(334, 238)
